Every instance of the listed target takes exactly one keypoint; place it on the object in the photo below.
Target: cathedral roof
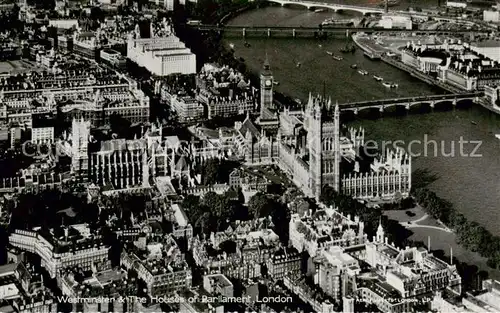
(249, 126)
(181, 164)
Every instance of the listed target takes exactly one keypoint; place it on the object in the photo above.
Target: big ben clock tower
(266, 88)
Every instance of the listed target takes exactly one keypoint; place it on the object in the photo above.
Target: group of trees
(261, 205)
(213, 212)
(49, 209)
(395, 232)
(216, 212)
(348, 205)
(124, 206)
(217, 171)
(470, 234)
(9, 20)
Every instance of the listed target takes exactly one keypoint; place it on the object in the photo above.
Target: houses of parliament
(307, 143)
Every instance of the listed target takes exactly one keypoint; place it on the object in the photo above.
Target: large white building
(488, 48)
(161, 56)
(457, 4)
(491, 16)
(396, 21)
(75, 246)
(469, 67)
(42, 129)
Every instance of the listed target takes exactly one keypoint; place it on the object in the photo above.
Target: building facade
(162, 56)
(59, 253)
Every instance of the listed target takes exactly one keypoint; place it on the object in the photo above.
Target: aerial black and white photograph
(247, 156)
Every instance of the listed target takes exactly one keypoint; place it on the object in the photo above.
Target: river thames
(472, 184)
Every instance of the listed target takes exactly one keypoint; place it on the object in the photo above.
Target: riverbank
(368, 45)
(458, 178)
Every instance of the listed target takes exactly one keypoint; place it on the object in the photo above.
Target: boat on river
(335, 57)
(348, 48)
(276, 83)
(329, 52)
(390, 85)
(319, 10)
(354, 66)
(378, 78)
(497, 136)
(298, 64)
(363, 72)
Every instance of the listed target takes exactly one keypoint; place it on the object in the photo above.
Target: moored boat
(390, 85)
(348, 49)
(276, 83)
(298, 64)
(497, 136)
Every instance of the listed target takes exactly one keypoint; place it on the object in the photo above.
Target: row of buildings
(466, 66)
(92, 93)
(219, 92)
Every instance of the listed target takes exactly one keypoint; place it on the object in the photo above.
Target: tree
(210, 174)
(260, 205)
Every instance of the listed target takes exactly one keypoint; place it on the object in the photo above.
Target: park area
(442, 239)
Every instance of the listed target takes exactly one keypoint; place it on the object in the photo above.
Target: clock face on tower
(268, 83)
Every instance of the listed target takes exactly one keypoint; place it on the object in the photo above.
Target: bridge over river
(409, 102)
(330, 6)
(269, 31)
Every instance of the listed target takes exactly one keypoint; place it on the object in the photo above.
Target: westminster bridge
(409, 102)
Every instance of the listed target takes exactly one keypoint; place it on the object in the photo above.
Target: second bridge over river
(280, 31)
(407, 103)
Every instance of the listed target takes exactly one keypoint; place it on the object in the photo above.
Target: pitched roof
(181, 164)
(248, 125)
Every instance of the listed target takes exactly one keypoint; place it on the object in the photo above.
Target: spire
(329, 104)
(267, 67)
